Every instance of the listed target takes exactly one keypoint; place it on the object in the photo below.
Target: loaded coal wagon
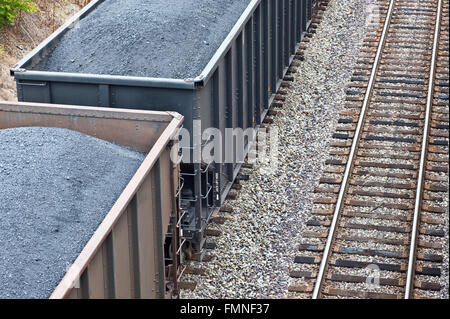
(58, 243)
(218, 62)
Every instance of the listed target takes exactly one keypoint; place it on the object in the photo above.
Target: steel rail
(423, 157)
(349, 166)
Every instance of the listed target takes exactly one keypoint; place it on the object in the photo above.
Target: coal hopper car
(134, 249)
(240, 59)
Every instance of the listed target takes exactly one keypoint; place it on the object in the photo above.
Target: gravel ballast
(258, 245)
(158, 38)
(57, 185)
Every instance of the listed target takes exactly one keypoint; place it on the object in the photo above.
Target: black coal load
(157, 38)
(56, 187)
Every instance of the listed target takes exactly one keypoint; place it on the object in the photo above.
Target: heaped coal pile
(56, 186)
(158, 38)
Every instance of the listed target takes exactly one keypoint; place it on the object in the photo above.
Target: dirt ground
(29, 30)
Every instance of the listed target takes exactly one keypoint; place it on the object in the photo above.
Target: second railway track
(380, 210)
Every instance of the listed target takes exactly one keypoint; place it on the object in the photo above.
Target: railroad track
(380, 211)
